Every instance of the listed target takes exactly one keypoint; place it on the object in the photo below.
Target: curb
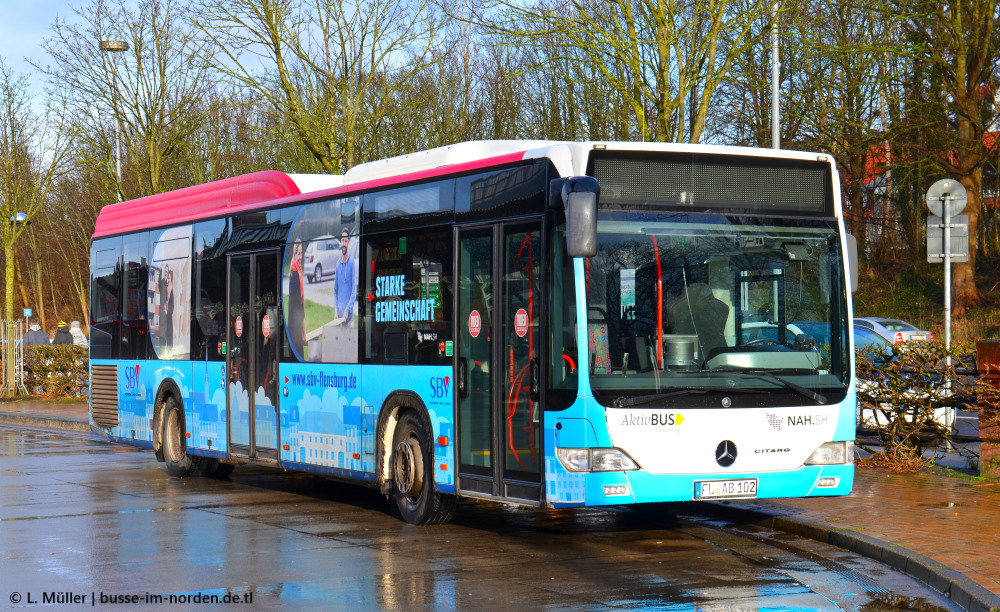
(953, 584)
(29, 420)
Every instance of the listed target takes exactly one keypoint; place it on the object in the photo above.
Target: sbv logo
(439, 386)
(132, 377)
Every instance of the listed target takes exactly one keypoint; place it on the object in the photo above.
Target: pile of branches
(908, 395)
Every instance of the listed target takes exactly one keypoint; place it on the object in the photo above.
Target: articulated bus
(549, 324)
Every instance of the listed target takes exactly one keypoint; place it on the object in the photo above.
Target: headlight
(595, 460)
(832, 453)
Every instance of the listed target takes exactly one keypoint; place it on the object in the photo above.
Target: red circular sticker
(475, 323)
(521, 322)
(265, 326)
(239, 326)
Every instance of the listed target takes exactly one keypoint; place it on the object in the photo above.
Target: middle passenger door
(252, 356)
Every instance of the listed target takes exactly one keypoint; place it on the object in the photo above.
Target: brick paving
(951, 520)
(954, 521)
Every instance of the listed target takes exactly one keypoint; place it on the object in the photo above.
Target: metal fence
(12, 357)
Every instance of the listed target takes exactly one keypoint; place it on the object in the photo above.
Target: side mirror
(852, 261)
(579, 195)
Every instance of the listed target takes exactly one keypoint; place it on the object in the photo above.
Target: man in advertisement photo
(345, 286)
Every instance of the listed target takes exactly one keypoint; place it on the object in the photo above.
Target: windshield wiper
(637, 400)
(819, 398)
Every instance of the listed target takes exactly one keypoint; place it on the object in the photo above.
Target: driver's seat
(699, 312)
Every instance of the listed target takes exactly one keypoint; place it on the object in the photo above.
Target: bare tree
(741, 114)
(148, 96)
(846, 42)
(32, 149)
(958, 45)
(331, 71)
(665, 58)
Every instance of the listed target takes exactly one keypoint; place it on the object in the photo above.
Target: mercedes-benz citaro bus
(550, 324)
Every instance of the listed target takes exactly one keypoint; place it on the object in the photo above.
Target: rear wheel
(317, 273)
(179, 462)
(412, 475)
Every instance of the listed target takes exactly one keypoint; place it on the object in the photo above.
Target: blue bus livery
(549, 324)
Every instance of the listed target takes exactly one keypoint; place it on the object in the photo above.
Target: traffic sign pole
(951, 196)
(947, 272)
(947, 303)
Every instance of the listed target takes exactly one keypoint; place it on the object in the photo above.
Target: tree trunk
(966, 293)
(39, 300)
(21, 288)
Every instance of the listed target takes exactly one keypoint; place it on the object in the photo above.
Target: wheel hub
(409, 468)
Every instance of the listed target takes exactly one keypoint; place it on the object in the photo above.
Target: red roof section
(244, 193)
(196, 202)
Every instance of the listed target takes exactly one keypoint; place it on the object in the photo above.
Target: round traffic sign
(946, 188)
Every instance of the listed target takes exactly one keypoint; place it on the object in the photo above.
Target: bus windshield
(682, 307)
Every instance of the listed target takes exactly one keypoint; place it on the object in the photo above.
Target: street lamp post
(116, 46)
(12, 331)
(775, 79)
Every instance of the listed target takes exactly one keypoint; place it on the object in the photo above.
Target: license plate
(745, 488)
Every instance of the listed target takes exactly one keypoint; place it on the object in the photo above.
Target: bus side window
(409, 278)
(208, 312)
(105, 307)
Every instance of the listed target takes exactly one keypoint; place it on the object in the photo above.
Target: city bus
(538, 323)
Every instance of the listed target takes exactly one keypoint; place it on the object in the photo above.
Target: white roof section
(439, 157)
(316, 182)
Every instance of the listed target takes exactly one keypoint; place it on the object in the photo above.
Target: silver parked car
(874, 347)
(321, 257)
(894, 330)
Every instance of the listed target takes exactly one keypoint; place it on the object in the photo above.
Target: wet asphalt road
(83, 520)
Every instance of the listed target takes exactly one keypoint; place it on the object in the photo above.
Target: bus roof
(251, 191)
(269, 187)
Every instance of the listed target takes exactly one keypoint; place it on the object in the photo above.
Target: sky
(24, 24)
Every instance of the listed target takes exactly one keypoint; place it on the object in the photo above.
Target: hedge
(56, 371)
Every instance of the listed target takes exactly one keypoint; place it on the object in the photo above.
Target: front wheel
(179, 462)
(412, 474)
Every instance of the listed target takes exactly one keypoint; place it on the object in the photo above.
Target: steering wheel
(761, 342)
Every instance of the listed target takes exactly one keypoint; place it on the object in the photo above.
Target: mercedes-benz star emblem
(725, 453)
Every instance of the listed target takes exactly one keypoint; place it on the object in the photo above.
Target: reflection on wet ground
(84, 516)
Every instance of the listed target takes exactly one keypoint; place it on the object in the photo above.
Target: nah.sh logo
(439, 386)
(132, 377)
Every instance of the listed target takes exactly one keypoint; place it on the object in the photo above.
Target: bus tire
(412, 474)
(213, 468)
(179, 463)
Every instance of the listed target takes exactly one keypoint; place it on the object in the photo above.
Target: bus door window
(265, 334)
(522, 306)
